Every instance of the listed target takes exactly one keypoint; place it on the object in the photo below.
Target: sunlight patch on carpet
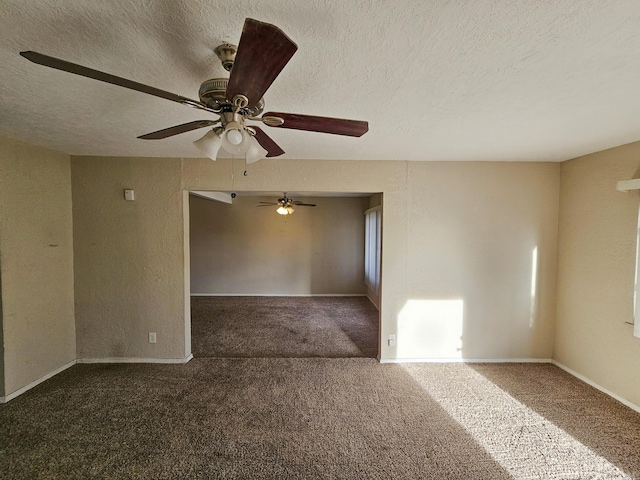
(523, 442)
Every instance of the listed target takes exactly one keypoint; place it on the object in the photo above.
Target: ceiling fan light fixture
(210, 143)
(263, 51)
(235, 139)
(286, 209)
(255, 151)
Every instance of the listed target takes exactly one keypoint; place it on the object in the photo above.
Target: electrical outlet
(152, 337)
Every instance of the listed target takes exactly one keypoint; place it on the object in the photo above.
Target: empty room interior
(429, 269)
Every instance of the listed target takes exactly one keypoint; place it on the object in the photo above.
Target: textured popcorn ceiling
(437, 80)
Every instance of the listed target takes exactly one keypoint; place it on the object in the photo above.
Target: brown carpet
(313, 418)
(288, 327)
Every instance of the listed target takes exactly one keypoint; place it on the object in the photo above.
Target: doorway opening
(263, 284)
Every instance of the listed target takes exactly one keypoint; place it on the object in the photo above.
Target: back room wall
(249, 250)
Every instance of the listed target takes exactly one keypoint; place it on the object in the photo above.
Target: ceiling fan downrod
(227, 55)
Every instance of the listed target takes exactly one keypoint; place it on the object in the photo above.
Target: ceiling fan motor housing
(213, 93)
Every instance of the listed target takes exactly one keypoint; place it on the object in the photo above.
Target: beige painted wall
(597, 244)
(456, 268)
(482, 241)
(36, 263)
(129, 258)
(458, 243)
(245, 249)
(458, 240)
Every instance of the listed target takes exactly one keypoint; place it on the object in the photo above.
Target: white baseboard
(622, 400)
(586, 380)
(278, 295)
(134, 360)
(465, 360)
(20, 391)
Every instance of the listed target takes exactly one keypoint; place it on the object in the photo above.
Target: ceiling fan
(254, 64)
(285, 205)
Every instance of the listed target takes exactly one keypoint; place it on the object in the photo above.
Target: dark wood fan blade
(65, 66)
(300, 204)
(268, 205)
(265, 141)
(262, 53)
(185, 127)
(335, 126)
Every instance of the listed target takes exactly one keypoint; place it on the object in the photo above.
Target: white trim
(373, 209)
(134, 360)
(586, 380)
(20, 391)
(624, 401)
(216, 196)
(278, 295)
(626, 185)
(186, 270)
(465, 360)
(636, 293)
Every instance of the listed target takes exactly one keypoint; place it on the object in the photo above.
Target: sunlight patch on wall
(523, 442)
(430, 329)
(636, 296)
(534, 286)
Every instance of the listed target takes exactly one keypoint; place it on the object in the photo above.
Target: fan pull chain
(232, 176)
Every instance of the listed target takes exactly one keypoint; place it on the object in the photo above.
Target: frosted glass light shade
(255, 151)
(234, 136)
(236, 141)
(288, 210)
(209, 144)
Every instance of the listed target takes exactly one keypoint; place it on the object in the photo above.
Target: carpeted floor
(313, 418)
(328, 327)
(267, 396)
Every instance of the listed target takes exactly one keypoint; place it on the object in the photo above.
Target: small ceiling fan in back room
(285, 205)
(254, 64)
